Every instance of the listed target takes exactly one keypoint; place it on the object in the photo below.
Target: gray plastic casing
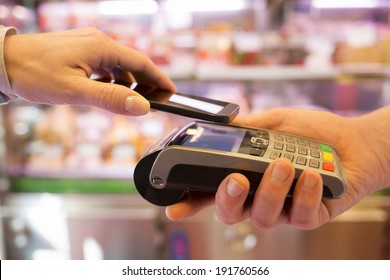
(173, 155)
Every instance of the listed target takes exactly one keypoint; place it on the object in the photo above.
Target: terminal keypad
(302, 152)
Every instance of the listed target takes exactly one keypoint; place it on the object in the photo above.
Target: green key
(325, 148)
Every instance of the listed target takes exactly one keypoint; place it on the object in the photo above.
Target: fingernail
(169, 214)
(280, 172)
(137, 105)
(234, 189)
(310, 181)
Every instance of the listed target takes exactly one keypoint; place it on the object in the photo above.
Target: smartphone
(191, 106)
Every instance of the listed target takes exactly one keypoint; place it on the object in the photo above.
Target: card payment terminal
(198, 156)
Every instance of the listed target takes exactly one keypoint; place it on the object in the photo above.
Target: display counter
(86, 226)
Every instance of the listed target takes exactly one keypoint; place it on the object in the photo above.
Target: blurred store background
(67, 191)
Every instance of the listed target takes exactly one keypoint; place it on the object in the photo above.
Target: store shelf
(71, 185)
(264, 73)
(274, 73)
(179, 73)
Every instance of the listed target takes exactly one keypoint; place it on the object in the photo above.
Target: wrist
(375, 130)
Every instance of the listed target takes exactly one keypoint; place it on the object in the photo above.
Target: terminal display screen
(226, 138)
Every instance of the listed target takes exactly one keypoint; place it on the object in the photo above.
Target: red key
(328, 166)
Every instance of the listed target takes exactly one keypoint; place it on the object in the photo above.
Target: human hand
(55, 68)
(363, 168)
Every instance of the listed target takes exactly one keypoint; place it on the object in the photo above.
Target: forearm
(6, 93)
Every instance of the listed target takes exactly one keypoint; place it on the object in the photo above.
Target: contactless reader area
(198, 156)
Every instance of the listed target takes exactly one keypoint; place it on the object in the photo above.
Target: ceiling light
(127, 7)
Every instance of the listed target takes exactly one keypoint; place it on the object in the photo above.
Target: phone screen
(190, 105)
(196, 104)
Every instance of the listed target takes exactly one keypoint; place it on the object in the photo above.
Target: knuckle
(302, 223)
(225, 216)
(108, 99)
(92, 31)
(305, 225)
(227, 220)
(144, 62)
(261, 223)
(310, 222)
(94, 35)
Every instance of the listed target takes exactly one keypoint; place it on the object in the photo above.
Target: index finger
(142, 68)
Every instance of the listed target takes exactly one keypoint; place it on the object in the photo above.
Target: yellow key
(327, 156)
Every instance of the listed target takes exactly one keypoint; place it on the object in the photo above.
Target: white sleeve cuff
(6, 93)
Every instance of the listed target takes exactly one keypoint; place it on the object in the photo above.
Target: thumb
(115, 98)
(270, 119)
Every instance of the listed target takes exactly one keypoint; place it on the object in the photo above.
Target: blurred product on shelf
(268, 96)
(268, 49)
(346, 54)
(223, 38)
(22, 17)
(64, 141)
(52, 142)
